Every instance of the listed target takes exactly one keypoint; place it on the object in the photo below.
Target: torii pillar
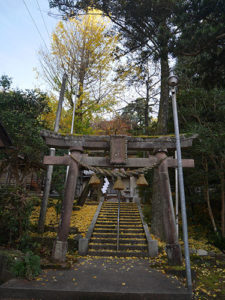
(173, 248)
(60, 245)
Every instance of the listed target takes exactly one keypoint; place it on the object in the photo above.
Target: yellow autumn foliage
(81, 219)
(84, 48)
(49, 118)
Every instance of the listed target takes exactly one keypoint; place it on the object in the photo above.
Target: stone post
(60, 245)
(133, 189)
(172, 248)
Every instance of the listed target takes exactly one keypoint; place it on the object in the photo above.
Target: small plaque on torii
(118, 149)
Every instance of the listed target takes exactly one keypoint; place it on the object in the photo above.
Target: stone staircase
(132, 241)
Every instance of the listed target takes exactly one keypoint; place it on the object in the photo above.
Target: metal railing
(118, 223)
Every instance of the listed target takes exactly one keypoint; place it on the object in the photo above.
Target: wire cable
(45, 25)
(34, 23)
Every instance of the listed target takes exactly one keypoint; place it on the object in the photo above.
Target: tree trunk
(84, 195)
(222, 204)
(157, 227)
(8, 175)
(164, 97)
(80, 101)
(157, 213)
(207, 199)
(82, 72)
(147, 108)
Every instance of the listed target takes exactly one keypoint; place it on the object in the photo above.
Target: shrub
(28, 266)
(147, 213)
(15, 211)
(217, 240)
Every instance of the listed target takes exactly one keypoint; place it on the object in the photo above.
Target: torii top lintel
(91, 142)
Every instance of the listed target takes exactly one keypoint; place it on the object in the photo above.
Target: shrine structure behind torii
(118, 147)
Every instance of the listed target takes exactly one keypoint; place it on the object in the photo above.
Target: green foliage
(58, 182)
(59, 175)
(202, 111)
(5, 82)
(217, 240)
(147, 211)
(201, 25)
(134, 112)
(20, 115)
(15, 212)
(28, 266)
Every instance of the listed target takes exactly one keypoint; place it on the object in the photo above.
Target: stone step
(121, 216)
(131, 230)
(124, 225)
(114, 235)
(132, 237)
(110, 208)
(121, 203)
(105, 226)
(130, 220)
(125, 216)
(121, 247)
(121, 223)
(114, 225)
(93, 252)
(115, 219)
(122, 241)
(114, 211)
(121, 209)
(131, 216)
(124, 231)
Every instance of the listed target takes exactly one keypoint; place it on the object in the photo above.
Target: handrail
(152, 244)
(94, 220)
(83, 242)
(118, 222)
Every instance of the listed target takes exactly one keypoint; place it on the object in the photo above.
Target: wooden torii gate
(118, 147)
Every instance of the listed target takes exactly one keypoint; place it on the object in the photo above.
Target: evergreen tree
(20, 114)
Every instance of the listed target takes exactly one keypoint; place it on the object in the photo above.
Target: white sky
(20, 40)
